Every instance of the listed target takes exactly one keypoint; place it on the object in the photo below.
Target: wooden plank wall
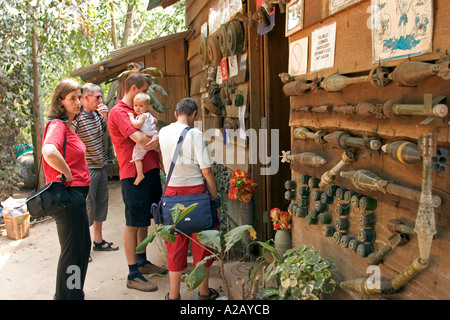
(354, 56)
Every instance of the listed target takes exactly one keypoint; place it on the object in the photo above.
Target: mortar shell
(409, 273)
(362, 286)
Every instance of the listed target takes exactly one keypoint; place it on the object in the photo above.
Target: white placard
(219, 75)
(298, 57)
(323, 45)
(233, 68)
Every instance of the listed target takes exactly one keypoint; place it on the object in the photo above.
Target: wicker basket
(17, 227)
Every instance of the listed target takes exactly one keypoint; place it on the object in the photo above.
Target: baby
(145, 122)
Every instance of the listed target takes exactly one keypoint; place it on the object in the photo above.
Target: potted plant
(300, 274)
(282, 224)
(242, 189)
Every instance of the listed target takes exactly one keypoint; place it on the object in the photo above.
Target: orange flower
(242, 187)
(282, 220)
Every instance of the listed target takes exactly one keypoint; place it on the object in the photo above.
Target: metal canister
(314, 213)
(303, 201)
(313, 183)
(348, 195)
(366, 235)
(304, 191)
(337, 236)
(367, 203)
(364, 249)
(290, 195)
(316, 194)
(310, 220)
(331, 190)
(354, 200)
(319, 206)
(342, 209)
(290, 185)
(345, 240)
(304, 179)
(325, 198)
(301, 212)
(353, 244)
(342, 224)
(340, 193)
(325, 218)
(367, 220)
(328, 230)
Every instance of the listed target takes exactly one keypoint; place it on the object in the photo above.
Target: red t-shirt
(120, 129)
(75, 154)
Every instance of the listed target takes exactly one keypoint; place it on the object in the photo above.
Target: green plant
(210, 239)
(300, 274)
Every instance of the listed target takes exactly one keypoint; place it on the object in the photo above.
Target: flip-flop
(99, 246)
(213, 295)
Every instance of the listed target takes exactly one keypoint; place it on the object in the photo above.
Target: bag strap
(63, 178)
(175, 156)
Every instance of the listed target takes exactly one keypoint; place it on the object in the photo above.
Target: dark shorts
(138, 199)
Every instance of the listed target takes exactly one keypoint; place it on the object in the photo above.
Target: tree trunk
(37, 112)
(128, 25)
(113, 26)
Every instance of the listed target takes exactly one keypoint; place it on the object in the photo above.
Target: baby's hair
(143, 97)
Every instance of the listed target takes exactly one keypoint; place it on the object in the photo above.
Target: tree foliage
(70, 34)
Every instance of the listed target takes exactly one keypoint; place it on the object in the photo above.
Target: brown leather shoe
(139, 284)
(150, 268)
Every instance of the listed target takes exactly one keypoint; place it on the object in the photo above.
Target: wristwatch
(216, 202)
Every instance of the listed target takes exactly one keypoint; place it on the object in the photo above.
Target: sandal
(167, 297)
(213, 295)
(100, 246)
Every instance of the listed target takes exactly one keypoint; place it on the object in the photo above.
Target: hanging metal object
(425, 226)
(396, 239)
(214, 53)
(223, 35)
(302, 133)
(343, 140)
(363, 109)
(298, 87)
(431, 108)
(329, 176)
(377, 77)
(307, 159)
(407, 152)
(410, 73)
(261, 14)
(203, 50)
(395, 225)
(366, 180)
(235, 37)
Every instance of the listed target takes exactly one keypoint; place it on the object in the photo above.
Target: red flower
(242, 187)
(281, 219)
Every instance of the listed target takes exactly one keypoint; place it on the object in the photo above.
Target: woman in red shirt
(71, 222)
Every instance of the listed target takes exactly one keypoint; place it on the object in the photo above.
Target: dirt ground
(28, 266)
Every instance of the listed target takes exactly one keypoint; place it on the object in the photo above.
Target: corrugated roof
(124, 55)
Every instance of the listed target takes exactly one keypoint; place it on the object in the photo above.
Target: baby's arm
(137, 123)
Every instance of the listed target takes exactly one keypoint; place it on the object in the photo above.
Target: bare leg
(175, 280)
(140, 172)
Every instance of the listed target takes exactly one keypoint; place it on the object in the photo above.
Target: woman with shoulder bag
(190, 174)
(64, 154)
